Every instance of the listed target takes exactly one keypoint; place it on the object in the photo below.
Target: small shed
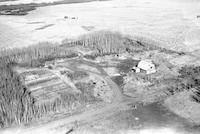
(145, 65)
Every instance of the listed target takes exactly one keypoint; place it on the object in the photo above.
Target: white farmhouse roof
(147, 65)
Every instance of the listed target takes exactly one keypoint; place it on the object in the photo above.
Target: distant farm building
(66, 17)
(145, 65)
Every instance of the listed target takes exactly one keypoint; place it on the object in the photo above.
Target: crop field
(44, 85)
(50, 93)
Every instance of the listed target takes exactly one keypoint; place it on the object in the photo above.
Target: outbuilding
(145, 65)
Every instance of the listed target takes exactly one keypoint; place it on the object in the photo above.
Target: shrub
(196, 96)
(191, 76)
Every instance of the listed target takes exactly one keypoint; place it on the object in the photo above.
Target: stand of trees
(191, 78)
(35, 56)
(16, 103)
(104, 42)
(107, 42)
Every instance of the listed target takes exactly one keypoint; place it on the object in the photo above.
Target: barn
(145, 65)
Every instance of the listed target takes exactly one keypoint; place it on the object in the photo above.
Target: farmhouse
(145, 65)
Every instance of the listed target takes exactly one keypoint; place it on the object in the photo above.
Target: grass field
(175, 19)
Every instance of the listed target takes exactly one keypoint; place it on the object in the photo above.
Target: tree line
(35, 56)
(16, 103)
(108, 42)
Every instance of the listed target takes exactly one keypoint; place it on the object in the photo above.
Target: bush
(191, 77)
(196, 95)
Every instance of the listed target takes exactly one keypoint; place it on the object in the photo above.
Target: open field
(173, 25)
